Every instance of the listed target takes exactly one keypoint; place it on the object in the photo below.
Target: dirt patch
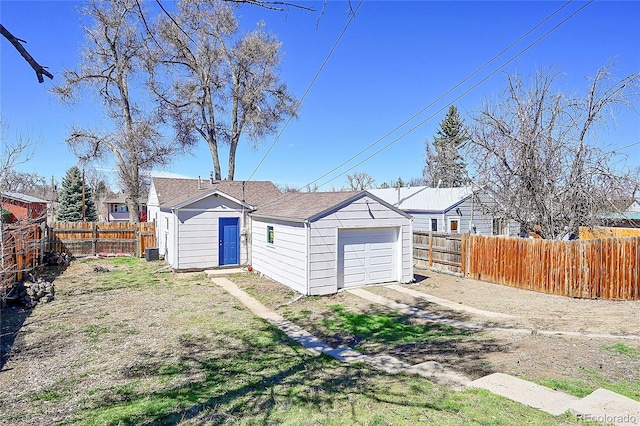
(574, 364)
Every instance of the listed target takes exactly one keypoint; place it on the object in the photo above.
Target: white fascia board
(215, 193)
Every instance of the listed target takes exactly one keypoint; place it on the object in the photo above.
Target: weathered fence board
(438, 251)
(88, 238)
(586, 233)
(602, 268)
(21, 252)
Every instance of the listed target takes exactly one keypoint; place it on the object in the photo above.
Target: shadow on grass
(14, 315)
(413, 341)
(256, 381)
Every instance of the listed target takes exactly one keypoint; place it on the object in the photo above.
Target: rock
(30, 292)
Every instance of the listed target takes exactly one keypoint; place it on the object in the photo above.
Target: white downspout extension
(307, 230)
(176, 238)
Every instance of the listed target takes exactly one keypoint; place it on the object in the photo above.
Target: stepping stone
(388, 364)
(302, 336)
(604, 406)
(525, 392)
(433, 370)
(346, 354)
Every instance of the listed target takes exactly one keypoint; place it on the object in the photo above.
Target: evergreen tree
(70, 199)
(443, 162)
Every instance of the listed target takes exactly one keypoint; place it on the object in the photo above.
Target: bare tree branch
(17, 43)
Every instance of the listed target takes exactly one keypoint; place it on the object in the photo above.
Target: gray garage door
(367, 256)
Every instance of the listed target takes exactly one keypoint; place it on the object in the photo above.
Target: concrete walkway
(417, 313)
(430, 370)
(600, 406)
(447, 303)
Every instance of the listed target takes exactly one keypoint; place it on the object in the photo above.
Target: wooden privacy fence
(89, 238)
(586, 233)
(439, 251)
(600, 268)
(21, 251)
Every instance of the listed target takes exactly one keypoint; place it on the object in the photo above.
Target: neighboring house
(20, 207)
(455, 210)
(319, 242)
(628, 215)
(204, 223)
(115, 209)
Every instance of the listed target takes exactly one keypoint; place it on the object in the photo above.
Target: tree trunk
(213, 147)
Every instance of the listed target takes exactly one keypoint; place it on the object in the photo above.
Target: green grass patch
(622, 349)
(93, 332)
(385, 327)
(589, 382)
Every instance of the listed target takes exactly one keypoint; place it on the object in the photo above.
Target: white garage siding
(362, 213)
(285, 259)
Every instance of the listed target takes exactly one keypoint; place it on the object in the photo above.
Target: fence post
(430, 249)
(94, 237)
(138, 241)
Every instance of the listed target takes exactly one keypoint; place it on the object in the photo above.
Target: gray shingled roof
(172, 192)
(304, 205)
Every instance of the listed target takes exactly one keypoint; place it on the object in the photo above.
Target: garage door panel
(368, 256)
(381, 261)
(354, 263)
(380, 275)
(354, 279)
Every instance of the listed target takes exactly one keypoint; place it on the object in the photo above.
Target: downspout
(307, 228)
(245, 227)
(176, 238)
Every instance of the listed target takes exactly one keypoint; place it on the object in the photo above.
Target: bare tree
(212, 81)
(110, 69)
(537, 152)
(360, 181)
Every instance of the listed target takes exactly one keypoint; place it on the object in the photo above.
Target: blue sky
(395, 59)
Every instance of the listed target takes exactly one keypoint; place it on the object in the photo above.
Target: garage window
(434, 225)
(270, 234)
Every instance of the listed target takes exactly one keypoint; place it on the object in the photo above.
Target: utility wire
(299, 103)
(308, 185)
(441, 96)
(454, 100)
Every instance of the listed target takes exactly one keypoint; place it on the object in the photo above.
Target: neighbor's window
(453, 225)
(434, 225)
(270, 234)
(499, 226)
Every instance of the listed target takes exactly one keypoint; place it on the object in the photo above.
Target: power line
(308, 185)
(443, 108)
(495, 57)
(335, 45)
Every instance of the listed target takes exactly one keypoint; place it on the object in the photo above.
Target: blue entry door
(229, 244)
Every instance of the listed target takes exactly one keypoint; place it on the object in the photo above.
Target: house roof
(423, 198)
(173, 192)
(303, 206)
(22, 197)
(120, 198)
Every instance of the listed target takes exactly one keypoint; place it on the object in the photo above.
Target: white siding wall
(362, 213)
(197, 232)
(164, 232)
(285, 259)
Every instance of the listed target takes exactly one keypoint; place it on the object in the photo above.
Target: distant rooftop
(22, 197)
(423, 198)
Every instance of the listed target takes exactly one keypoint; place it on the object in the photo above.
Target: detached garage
(320, 242)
